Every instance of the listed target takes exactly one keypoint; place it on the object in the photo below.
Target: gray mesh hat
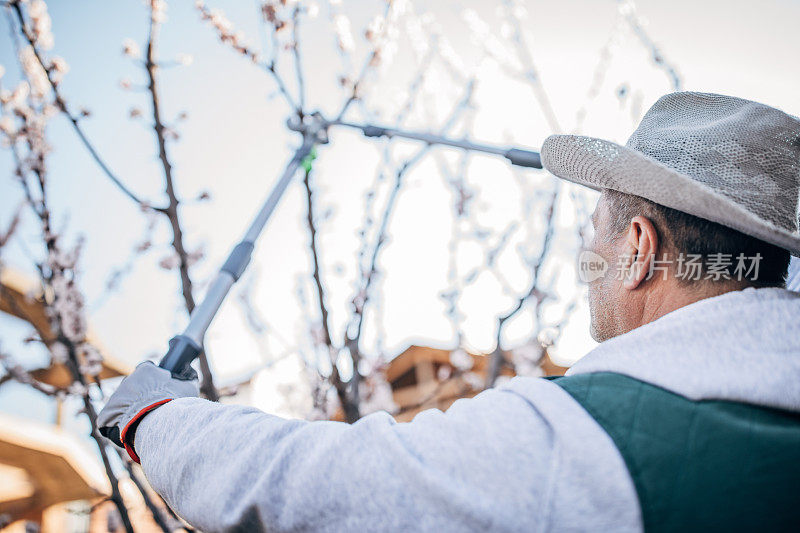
(724, 159)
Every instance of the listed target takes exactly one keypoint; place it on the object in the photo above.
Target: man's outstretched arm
(485, 464)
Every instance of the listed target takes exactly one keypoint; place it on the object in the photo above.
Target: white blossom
(37, 9)
(184, 59)
(59, 65)
(417, 36)
(39, 84)
(375, 392)
(131, 49)
(460, 359)
(526, 359)
(374, 28)
(91, 360)
(77, 389)
(518, 10)
(548, 336)
(42, 25)
(324, 399)
(376, 395)
(66, 309)
(158, 10)
(501, 380)
(7, 126)
(473, 380)
(344, 34)
(220, 21)
(195, 256)
(225, 31)
(317, 333)
(169, 262)
(59, 352)
(17, 99)
(626, 7)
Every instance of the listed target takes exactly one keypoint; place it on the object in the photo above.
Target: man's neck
(673, 296)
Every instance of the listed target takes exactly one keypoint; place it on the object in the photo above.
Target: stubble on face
(605, 305)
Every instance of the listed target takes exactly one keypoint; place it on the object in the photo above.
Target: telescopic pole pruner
(516, 156)
(187, 346)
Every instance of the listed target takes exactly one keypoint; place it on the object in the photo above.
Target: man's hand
(145, 389)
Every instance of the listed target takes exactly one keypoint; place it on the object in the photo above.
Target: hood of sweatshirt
(741, 346)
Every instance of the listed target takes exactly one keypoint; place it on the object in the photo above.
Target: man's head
(730, 162)
(661, 259)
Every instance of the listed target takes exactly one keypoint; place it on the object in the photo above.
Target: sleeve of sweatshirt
(487, 463)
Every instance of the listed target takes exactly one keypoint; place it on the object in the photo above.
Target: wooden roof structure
(43, 468)
(42, 465)
(423, 377)
(22, 297)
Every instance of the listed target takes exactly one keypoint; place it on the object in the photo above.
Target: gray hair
(688, 234)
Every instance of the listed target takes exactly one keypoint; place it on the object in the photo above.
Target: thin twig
(367, 66)
(65, 306)
(62, 106)
(298, 66)
(350, 409)
(497, 357)
(530, 71)
(355, 328)
(656, 54)
(15, 371)
(433, 395)
(228, 36)
(155, 510)
(74, 365)
(171, 211)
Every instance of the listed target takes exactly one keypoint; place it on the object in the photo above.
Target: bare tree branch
(49, 70)
(171, 211)
(530, 71)
(369, 63)
(350, 409)
(57, 269)
(628, 9)
(498, 357)
(155, 510)
(15, 371)
(6, 235)
(298, 66)
(355, 327)
(228, 36)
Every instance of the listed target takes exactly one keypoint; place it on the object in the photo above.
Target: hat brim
(601, 164)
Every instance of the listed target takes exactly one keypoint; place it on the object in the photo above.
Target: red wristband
(131, 426)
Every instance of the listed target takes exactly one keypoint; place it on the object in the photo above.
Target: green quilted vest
(698, 465)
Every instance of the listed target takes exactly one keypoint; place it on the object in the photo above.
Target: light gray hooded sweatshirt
(524, 457)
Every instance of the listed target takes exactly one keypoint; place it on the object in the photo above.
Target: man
(686, 416)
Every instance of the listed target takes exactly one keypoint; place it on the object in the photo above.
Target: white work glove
(148, 387)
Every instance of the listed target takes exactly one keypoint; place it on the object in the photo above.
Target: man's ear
(642, 244)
